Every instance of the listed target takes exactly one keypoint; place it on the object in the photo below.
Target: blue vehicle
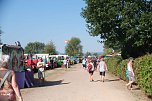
(75, 60)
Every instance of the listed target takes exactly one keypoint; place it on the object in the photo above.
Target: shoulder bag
(9, 93)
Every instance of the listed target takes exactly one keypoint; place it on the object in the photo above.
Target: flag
(66, 41)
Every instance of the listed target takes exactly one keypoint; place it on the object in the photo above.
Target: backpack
(89, 67)
(6, 86)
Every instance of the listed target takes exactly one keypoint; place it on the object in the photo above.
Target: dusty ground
(74, 85)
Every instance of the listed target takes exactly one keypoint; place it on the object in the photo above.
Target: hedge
(142, 67)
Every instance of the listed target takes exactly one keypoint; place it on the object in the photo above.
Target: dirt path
(74, 85)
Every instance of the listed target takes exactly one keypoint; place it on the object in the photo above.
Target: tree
(50, 48)
(122, 24)
(34, 47)
(73, 47)
(95, 54)
(107, 51)
(88, 54)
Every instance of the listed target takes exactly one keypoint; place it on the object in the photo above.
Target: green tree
(107, 51)
(122, 24)
(73, 47)
(88, 54)
(95, 54)
(50, 48)
(34, 47)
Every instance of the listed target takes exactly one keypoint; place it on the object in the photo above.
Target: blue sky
(45, 20)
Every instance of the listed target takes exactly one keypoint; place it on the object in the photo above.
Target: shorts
(130, 76)
(91, 72)
(102, 73)
(84, 65)
(41, 74)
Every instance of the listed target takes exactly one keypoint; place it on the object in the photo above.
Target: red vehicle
(31, 62)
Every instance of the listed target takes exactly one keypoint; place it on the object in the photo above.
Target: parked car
(75, 60)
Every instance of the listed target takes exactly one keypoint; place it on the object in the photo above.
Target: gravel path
(74, 85)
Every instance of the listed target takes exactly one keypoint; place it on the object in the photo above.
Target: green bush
(113, 64)
(117, 66)
(143, 72)
(142, 68)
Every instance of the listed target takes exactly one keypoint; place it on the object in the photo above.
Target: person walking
(8, 88)
(90, 67)
(65, 63)
(131, 75)
(94, 60)
(68, 64)
(52, 62)
(102, 67)
(84, 63)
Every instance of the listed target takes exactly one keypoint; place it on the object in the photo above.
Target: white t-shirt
(65, 62)
(102, 66)
(41, 65)
(129, 67)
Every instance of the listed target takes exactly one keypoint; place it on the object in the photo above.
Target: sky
(45, 20)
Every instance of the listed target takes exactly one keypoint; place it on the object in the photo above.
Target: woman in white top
(131, 75)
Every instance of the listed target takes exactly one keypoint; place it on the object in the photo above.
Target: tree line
(72, 48)
(123, 25)
(39, 47)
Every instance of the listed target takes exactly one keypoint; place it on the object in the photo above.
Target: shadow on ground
(48, 83)
(53, 83)
(108, 80)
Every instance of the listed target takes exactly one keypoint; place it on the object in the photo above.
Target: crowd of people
(41, 66)
(9, 90)
(93, 64)
(98, 64)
